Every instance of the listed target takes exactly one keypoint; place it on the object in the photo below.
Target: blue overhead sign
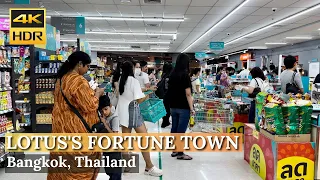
(216, 45)
(200, 55)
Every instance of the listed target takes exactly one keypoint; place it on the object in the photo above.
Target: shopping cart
(211, 115)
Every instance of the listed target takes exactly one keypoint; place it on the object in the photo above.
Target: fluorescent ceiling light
(155, 48)
(276, 43)
(119, 42)
(276, 23)
(113, 47)
(131, 33)
(299, 37)
(137, 19)
(258, 47)
(217, 24)
(238, 52)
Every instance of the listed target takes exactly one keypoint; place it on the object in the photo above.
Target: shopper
(130, 95)
(245, 72)
(78, 92)
(111, 123)
(265, 70)
(256, 83)
(143, 77)
(180, 99)
(289, 78)
(152, 77)
(224, 81)
(115, 84)
(218, 76)
(195, 81)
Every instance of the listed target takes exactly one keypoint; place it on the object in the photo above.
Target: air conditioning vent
(152, 1)
(154, 37)
(278, 26)
(135, 47)
(153, 25)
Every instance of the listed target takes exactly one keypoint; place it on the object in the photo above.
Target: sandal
(184, 157)
(174, 154)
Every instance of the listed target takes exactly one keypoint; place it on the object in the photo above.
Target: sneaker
(154, 171)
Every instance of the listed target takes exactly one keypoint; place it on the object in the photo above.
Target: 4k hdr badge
(27, 26)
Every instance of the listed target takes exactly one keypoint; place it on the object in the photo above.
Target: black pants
(113, 173)
(252, 112)
(167, 106)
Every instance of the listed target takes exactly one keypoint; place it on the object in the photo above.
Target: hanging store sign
(69, 25)
(201, 55)
(216, 46)
(14, 1)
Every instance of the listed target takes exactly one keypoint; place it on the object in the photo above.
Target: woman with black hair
(115, 84)
(180, 99)
(162, 88)
(256, 82)
(130, 96)
(76, 89)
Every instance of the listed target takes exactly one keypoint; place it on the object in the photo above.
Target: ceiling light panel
(301, 13)
(276, 43)
(217, 24)
(299, 37)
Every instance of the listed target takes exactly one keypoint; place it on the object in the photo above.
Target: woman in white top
(130, 96)
(195, 81)
(256, 82)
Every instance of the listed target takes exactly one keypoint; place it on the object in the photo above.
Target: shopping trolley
(212, 115)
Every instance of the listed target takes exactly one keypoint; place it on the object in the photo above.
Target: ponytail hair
(127, 70)
(72, 62)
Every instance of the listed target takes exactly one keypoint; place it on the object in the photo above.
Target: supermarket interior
(253, 69)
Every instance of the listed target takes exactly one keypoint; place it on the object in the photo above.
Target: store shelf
(22, 101)
(24, 124)
(38, 106)
(44, 89)
(49, 61)
(3, 134)
(6, 111)
(3, 157)
(24, 92)
(5, 89)
(38, 75)
(5, 66)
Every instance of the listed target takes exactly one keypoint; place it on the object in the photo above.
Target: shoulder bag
(96, 128)
(256, 90)
(292, 86)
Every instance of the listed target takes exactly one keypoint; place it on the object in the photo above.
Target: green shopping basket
(152, 110)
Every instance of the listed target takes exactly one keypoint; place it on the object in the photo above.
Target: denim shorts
(135, 117)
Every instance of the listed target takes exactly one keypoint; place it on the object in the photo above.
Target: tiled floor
(204, 166)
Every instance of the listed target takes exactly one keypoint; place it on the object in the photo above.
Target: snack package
(21, 51)
(290, 115)
(274, 119)
(261, 98)
(305, 113)
(15, 52)
(258, 117)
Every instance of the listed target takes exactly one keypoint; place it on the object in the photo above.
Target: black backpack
(256, 90)
(161, 88)
(292, 87)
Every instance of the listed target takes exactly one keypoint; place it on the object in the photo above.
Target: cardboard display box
(287, 137)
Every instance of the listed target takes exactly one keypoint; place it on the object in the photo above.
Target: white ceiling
(200, 15)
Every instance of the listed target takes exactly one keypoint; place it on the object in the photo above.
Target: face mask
(137, 71)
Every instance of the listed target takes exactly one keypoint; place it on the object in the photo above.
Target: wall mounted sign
(69, 25)
(216, 46)
(245, 57)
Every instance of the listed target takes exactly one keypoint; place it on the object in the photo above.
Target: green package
(274, 120)
(291, 119)
(261, 98)
(305, 113)
(258, 116)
